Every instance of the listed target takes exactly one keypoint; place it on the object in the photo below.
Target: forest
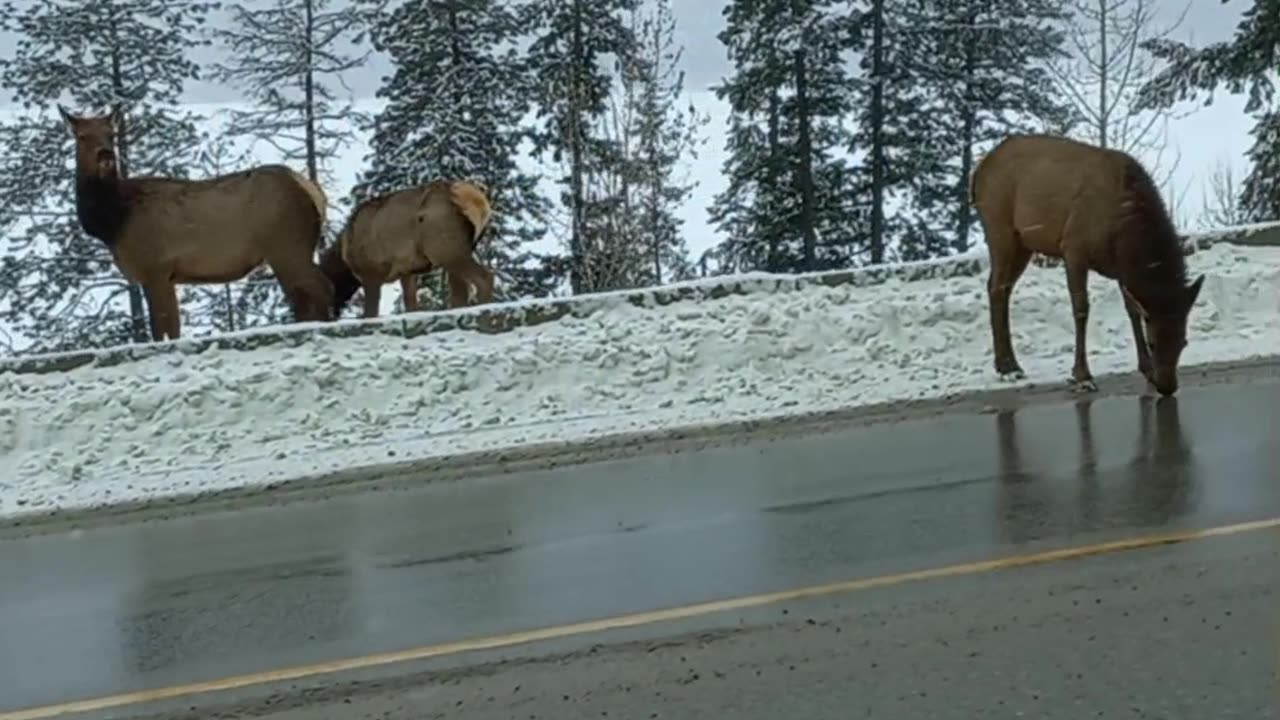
(853, 126)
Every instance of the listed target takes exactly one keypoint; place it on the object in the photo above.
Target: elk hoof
(1009, 371)
(1086, 385)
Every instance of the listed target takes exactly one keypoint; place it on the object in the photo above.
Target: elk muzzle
(106, 163)
(1165, 380)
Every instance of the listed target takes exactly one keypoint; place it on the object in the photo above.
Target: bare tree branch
(1108, 67)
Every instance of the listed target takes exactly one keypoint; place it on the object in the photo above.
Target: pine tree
(454, 109)
(572, 90)
(966, 73)
(1244, 64)
(790, 204)
(667, 135)
(59, 288)
(633, 232)
(747, 211)
(876, 64)
(289, 58)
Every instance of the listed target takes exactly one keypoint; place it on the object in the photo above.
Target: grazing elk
(1096, 209)
(410, 231)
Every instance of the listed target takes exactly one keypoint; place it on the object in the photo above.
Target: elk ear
(67, 117)
(1193, 290)
(1134, 301)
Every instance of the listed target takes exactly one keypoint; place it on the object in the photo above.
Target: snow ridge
(505, 316)
(208, 419)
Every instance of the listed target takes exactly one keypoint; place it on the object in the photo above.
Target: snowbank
(199, 419)
(507, 316)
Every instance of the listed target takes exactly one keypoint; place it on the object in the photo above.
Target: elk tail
(471, 201)
(973, 179)
(317, 198)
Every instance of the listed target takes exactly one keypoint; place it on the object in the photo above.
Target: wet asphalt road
(147, 605)
(1176, 633)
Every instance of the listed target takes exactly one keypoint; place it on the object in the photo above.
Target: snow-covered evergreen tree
(790, 204)
(1243, 64)
(571, 41)
(667, 133)
(749, 210)
(454, 109)
(58, 287)
(873, 136)
(964, 74)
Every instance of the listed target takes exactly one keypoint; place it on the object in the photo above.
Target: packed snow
(180, 423)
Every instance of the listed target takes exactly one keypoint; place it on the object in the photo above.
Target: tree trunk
(969, 113)
(773, 263)
(1104, 61)
(804, 168)
(231, 308)
(309, 92)
(655, 164)
(576, 153)
(877, 132)
(137, 309)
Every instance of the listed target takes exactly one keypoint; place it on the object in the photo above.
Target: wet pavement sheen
(146, 605)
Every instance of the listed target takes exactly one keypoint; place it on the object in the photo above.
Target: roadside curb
(611, 446)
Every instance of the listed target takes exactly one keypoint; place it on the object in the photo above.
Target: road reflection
(1163, 471)
(1044, 491)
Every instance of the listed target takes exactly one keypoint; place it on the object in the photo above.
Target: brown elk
(410, 231)
(1096, 209)
(164, 231)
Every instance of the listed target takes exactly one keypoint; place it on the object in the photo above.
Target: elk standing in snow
(1096, 209)
(411, 231)
(165, 231)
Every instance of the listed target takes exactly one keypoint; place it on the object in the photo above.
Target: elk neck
(101, 207)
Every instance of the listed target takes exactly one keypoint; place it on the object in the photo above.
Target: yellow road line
(626, 621)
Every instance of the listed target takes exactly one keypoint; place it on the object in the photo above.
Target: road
(1172, 630)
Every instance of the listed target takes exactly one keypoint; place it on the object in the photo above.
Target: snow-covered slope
(203, 421)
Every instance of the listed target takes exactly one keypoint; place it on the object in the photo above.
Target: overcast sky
(698, 22)
(1209, 135)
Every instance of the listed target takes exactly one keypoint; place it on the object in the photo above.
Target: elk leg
(308, 289)
(1078, 286)
(1006, 269)
(320, 295)
(372, 299)
(459, 289)
(162, 306)
(153, 323)
(409, 288)
(484, 287)
(481, 278)
(1139, 335)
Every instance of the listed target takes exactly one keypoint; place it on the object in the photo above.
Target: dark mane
(345, 283)
(1159, 259)
(101, 207)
